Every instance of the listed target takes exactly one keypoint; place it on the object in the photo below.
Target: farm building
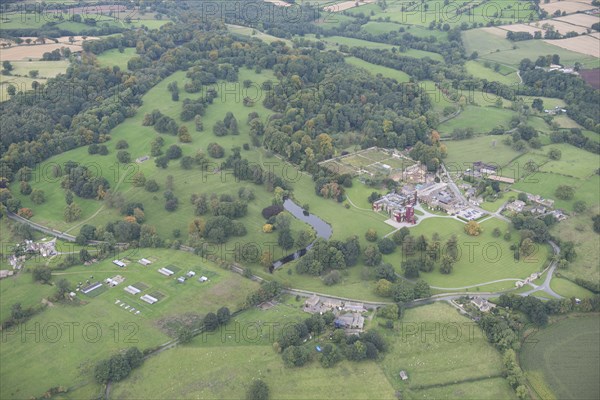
(502, 179)
(181, 279)
(203, 279)
(350, 321)
(91, 287)
(190, 274)
(332, 303)
(354, 307)
(119, 263)
(484, 168)
(149, 299)
(132, 289)
(145, 262)
(312, 301)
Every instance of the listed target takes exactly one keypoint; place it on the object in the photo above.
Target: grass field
(117, 328)
(482, 119)
(478, 70)
(498, 49)
(462, 153)
(378, 27)
(230, 361)
(578, 229)
(481, 259)
(113, 57)
(333, 42)
(441, 351)
(563, 358)
(379, 69)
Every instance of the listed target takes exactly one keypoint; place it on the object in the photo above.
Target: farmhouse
(132, 289)
(484, 168)
(540, 200)
(516, 206)
(119, 263)
(145, 262)
(312, 301)
(350, 321)
(91, 287)
(149, 299)
(482, 304)
(46, 249)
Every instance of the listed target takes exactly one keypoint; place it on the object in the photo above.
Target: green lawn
(113, 57)
(119, 327)
(379, 69)
(568, 289)
(563, 358)
(493, 206)
(481, 258)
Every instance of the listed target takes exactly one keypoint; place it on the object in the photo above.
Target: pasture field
(566, 122)
(424, 13)
(482, 119)
(21, 84)
(545, 185)
(246, 31)
(481, 259)
(462, 153)
(498, 49)
(113, 57)
(379, 69)
(442, 352)
(478, 70)
(567, 6)
(563, 358)
(578, 229)
(46, 69)
(378, 27)
(231, 361)
(333, 42)
(114, 327)
(574, 162)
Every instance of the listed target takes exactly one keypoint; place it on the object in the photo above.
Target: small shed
(403, 375)
(203, 279)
